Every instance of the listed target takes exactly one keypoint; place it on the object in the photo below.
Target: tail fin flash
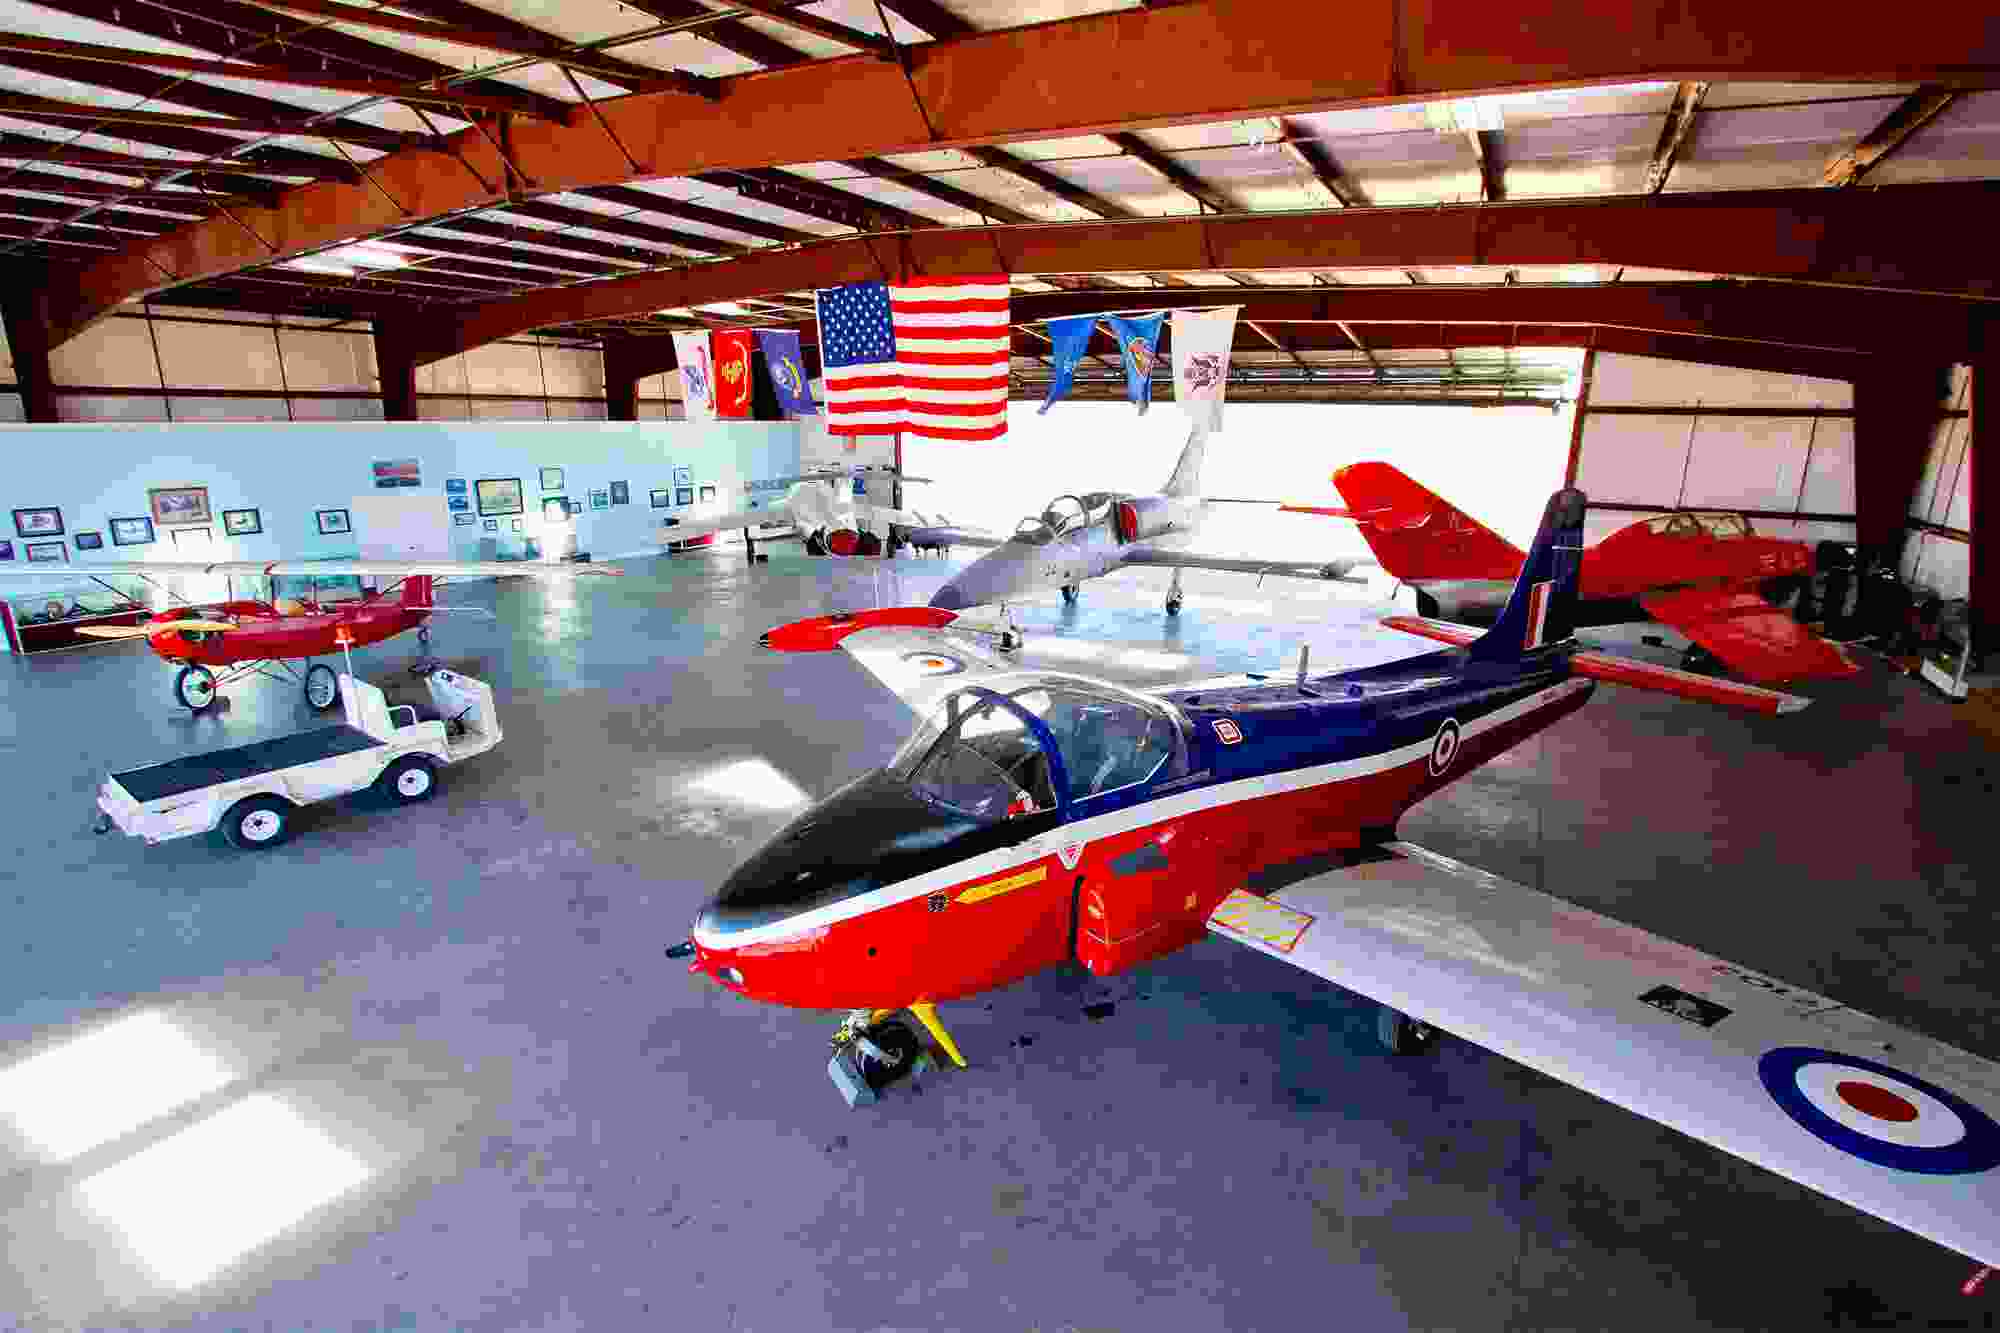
(1416, 535)
(1186, 478)
(417, 591)
(1542, 609)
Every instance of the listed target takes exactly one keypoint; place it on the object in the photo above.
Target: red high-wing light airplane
(1704, 573)
(1040, 816)
(244, 636)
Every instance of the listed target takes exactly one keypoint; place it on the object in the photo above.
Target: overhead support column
(1895, 412)
(28, 341)
(396, 365)
(621, 378)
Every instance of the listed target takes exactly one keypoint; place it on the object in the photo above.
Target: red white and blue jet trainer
(1039, 816)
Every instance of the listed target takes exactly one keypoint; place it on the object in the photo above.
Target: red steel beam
(1180, 64)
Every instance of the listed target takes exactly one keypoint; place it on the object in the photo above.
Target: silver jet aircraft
(1078, 537)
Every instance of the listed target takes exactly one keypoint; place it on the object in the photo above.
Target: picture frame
(517, 524)
(576, 506)
(600, 499)
(332, 522)
(6, 550)
(683, 476)
(38, 522)
(552, 478)
(555, 508)
(241, 522)
(395, 473)
(48, 553)
(137, 531)
(173, 506)
(492, 525)
(707, 493)
(194, 537)
(621, 493)
(662, 498)
(464, 520)
(683, 495)
(457, 502)
(499, 496)
(454, 485)
(89, 541)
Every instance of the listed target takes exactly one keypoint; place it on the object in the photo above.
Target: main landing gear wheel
(322, 686)
(898, 1046)
(1402, 1034)
(408, 780)
(258, 823)
(1070, 592)
(195, 688)
(1173, 606)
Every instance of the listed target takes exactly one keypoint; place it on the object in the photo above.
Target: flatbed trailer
(249, 792)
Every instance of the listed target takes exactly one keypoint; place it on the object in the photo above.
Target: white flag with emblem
(697, 375)
(1202, 339)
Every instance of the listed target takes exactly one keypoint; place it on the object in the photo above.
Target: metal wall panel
(218, 356)
(195, 408)
(570, 409)
(446, 376)
(1634, 459)
(1829, 484)
(1745, 462)
(329, 360)
(1940, 564)
(10, 407)
(114, 353)
(504, 368)
(1647, 381)
(336, 409)
(1942, 466)
(573, 372)
(111, 407)
(508, 409)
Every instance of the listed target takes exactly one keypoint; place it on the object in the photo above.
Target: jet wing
(443, 569)
(1335, 570)
(1752, 636)
(742, 518)
(1880, 1118)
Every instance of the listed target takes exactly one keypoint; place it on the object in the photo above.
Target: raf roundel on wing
(1879, 1114)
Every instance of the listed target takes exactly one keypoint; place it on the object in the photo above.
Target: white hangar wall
(1939, 553)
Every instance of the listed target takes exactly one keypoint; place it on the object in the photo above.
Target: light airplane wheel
(1069, 592)
(409, 780)
(195, 688)
(1403, 1035)
(424, 635)
(896, 1041)
(322, 686)
(258, 823)
(1173, 606)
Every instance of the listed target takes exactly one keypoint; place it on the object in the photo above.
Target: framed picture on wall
(241, 522)
(662, 498)
(332, 522)
(457, 502)
(48, 553)
(131, 531)
(89, 541)
(555, 508)
(492, 525)
(552, 479)
(464, 520)
(683, 495)
(38, 523)
(6, 550)
(517, 525)
(192, 537)
(454, 485)
(576, 506)
(683, 476)
(392, 473)
(499, 496)
(173, 505)
(600, 499)
(621, 493)
(708, 492)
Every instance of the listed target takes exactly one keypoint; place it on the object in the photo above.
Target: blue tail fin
(1542, 609)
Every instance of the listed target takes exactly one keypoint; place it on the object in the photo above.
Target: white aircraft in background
(822, 506)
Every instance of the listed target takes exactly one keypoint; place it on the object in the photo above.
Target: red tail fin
(1416, 535)
(417, 591)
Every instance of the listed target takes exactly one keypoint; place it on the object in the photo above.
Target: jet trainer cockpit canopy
(977, 754)
(1065, 513)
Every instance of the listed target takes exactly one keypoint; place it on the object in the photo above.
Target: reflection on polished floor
(426, 1068)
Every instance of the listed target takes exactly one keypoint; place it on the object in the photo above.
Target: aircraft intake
(1148, 516)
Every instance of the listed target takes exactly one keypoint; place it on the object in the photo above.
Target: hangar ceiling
(1392, 183)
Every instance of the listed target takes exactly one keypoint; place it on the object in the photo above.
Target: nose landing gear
(873, 1049)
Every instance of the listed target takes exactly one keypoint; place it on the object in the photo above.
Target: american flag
(927, 356)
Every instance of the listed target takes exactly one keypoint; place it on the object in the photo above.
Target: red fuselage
(265, 634)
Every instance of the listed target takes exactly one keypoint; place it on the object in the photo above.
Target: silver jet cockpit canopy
(1064, 514)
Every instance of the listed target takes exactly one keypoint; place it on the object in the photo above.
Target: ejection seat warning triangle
(1069, 855)
(1260, 920)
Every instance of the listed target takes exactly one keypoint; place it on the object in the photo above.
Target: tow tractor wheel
(195, 688)
(409, 780)
(1402, 1034)
(258, 823)
(322, 686)
(1069, 592)
(895, 1040)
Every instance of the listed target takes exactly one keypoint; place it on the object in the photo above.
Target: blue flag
(1072, 339)
(1137, 339)
(788, 370)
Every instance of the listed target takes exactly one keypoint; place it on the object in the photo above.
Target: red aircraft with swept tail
(1703, 573)
(245, 636)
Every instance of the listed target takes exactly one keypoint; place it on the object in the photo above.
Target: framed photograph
(600, 499)
(48, 553)
(499, 496)
(517, 525)
(392, 473)
(552, 479)
(131, 531)
(332, 522)
(454, 485)
(193, 537)
(38, 523)
(457, 502)
(662, 498)
(492, 525)
(555, 508)
(174, 505)
(6, 550)
(241, 522)
(621, 493)
(683, 495)
(683, 476)
(464, 520)
(708, 492)
(89, 541)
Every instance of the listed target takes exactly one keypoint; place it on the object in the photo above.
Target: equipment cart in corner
(250, 792)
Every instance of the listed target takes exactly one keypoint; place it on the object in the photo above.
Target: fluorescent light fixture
(373, 256)
(88, 1091)
(751, 782)
(191, 1205)
(319, 266)
(1463, 115)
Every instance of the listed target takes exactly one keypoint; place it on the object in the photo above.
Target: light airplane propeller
(1038, 816)
(1078, 537)
(244, 636)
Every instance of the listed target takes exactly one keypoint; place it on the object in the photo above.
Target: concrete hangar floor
(569, 1132)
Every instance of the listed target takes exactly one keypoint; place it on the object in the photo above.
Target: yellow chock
(927, 1015)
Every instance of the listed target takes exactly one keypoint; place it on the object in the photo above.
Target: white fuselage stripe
(1124, 821)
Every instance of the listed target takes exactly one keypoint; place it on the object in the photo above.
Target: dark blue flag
(1137, 341)
(1072, 339)
(788, 370)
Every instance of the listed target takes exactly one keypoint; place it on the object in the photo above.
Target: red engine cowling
(1146, 516)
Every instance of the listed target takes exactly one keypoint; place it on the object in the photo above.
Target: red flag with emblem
(733, 385)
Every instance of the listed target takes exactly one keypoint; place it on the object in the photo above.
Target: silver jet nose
(1001, 575)
(950, 598)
